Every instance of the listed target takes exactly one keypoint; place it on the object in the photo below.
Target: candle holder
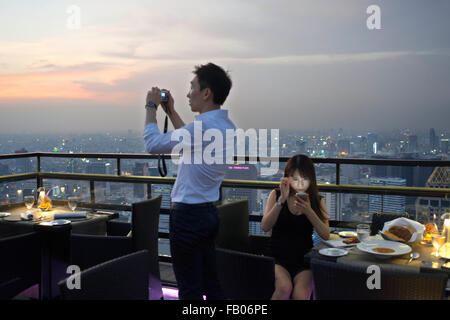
(44, 201)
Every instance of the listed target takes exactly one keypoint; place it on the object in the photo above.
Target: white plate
(4, 214)
(348, 234)
(333, 252)
(58, 222)
(399, 248)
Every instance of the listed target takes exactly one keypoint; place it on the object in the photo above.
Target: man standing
(194, 220)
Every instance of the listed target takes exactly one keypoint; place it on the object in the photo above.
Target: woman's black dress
(291, 239)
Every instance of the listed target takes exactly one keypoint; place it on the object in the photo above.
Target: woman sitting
(291, 218)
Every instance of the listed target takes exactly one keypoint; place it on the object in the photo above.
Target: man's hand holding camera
(163, 97)
(167, 102)
(153, 98)
(152, 102)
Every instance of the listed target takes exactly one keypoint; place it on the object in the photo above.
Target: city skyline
(345, 207)
(315, 62)
(338, 143)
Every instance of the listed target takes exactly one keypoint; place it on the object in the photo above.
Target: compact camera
(164, 96)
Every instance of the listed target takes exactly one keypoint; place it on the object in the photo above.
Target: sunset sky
(294, 64)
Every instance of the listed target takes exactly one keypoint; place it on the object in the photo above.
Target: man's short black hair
(216, 79)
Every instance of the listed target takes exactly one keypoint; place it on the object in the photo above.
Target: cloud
(314, 61)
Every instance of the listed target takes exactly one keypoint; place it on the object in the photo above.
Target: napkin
(70, 215)
(404, 222)
(26, 216)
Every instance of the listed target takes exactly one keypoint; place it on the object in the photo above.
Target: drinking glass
(438, 241)
(363, 232)
(72, 203)
(29, 201)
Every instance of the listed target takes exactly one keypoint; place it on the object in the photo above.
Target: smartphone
(301, 194)
(164, 96)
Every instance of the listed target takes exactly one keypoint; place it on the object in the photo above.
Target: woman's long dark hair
(305, 167)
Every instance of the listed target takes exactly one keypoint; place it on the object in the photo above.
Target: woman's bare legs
(283, 284)
(302, 286)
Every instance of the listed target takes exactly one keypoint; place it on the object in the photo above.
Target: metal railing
(227, 183)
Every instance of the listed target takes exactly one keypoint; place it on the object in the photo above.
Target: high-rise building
(330, 202)
(343, 147)
(160, 189)
(433, 139)
(387, 203)
(301, 147)
(427, 207)
(444, 146)
(332, 150)
(412, 143)
(262, 196)
(140, 189)
(363, 144)
(245, 172)
(372, 143)
(242, 172)
(100, 187)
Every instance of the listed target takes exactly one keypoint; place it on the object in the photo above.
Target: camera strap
(163, 170)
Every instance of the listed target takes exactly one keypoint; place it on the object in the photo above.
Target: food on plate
(351, 240)
(393, 236)
(400, 233)
(383, 250)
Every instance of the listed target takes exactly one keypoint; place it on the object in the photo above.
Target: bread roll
(402, 232)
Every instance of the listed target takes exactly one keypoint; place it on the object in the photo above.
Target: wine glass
(29, 201)
(363, 232)
(72, 203)
(438, 241)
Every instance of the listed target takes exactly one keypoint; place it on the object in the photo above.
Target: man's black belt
(181, 204)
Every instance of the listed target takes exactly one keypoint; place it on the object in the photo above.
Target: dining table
(55, 228)
(426, 262)
(88, 222)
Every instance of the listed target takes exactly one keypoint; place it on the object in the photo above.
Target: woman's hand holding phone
(302, 202)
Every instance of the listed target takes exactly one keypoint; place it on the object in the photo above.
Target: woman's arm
(271, 212)
(322, 227)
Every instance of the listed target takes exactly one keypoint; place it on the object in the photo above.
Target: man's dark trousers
(193, 229)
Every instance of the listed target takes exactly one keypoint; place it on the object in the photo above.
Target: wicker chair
(233, 228)
(90, 250)
(348, 281)
(20, 266)
(244, 276)
(124, 278)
